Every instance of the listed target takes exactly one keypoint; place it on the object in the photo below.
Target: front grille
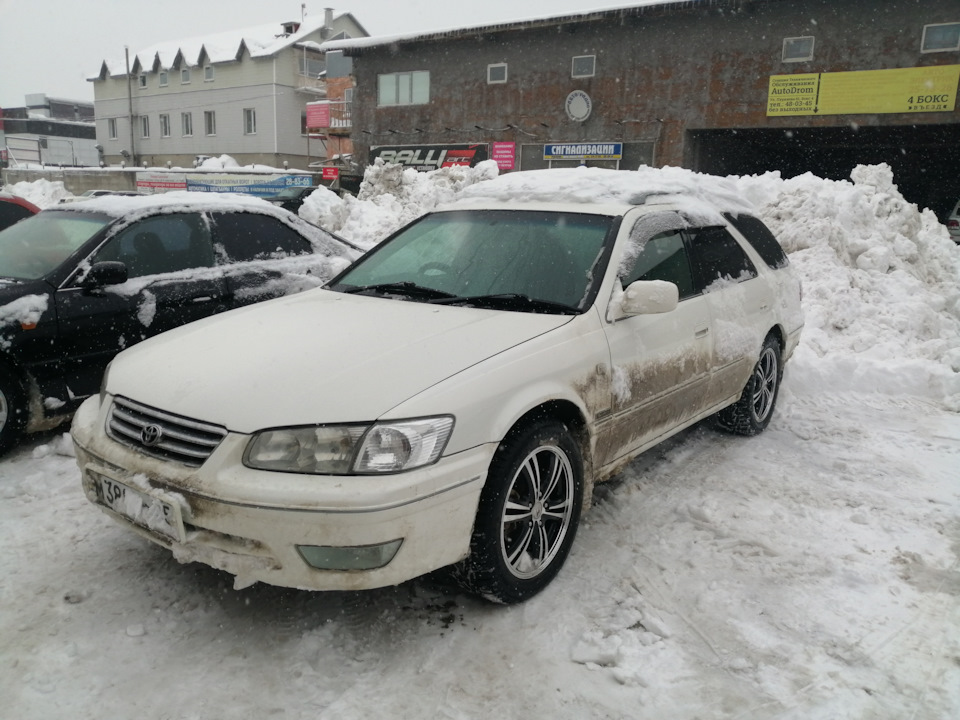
(162, 435)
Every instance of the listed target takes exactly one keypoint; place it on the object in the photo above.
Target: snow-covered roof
(259, 41)
(634, 7)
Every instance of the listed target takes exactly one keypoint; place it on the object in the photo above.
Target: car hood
(316, 357)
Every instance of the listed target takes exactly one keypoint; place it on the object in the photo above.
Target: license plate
(148, 510)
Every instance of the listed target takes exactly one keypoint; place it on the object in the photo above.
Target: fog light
(366, 557)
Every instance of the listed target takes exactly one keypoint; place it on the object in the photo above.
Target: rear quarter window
(760, 238)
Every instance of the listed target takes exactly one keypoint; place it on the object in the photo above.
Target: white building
(241, 93)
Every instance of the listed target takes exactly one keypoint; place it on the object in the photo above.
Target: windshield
(38, 245)
(532, 261)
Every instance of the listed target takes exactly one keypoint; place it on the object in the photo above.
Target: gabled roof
(258, 41)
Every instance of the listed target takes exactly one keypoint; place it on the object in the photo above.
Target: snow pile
(881, 284)
(42, 193)
(390, 196)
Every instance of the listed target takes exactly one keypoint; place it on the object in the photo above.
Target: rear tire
(13, 408)
(751, 414)
(528, 515)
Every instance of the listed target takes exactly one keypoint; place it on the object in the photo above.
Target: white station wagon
(451, 398)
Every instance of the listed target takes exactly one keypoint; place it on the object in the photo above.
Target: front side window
(584, 66)
(524, 261)
(210, 122)
(406, 88)
(942, 37)
(797, 49)
(496, 74)
(186, 124)
(145, 126)
(663, 257)
(164, 126)
(160, 244)
(249, 121)
(112, 128)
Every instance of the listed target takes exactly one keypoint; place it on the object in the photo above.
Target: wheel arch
(572, 417)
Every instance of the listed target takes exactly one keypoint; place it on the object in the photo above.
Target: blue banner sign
(583, 151)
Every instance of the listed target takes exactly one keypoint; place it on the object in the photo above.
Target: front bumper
(256, 524)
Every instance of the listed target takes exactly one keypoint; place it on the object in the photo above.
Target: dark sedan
(80, 283)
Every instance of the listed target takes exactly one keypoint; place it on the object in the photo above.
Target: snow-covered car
(452, 397)
(88, 194)
(80, 282)
(291, 198)
(953, 223)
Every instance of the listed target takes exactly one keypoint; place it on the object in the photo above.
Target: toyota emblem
(151, 435)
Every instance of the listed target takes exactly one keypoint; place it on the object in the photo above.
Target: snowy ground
(811, 572)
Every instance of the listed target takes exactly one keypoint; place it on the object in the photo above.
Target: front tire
(528, 515)
(751, 414)
(13, 408)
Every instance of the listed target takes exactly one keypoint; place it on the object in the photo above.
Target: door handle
(702, 333)
(201, 299)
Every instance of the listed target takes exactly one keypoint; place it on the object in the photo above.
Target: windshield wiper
(509, 301)
(403, 288)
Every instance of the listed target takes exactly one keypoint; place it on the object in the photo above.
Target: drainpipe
(133, 151)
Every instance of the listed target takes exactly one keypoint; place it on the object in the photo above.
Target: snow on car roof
(699, 196)
(132, 208)
(121, 205)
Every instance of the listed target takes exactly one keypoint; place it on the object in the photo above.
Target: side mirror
(104, 273)
(649, 297)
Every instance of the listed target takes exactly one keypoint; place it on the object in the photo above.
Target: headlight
(386, 447)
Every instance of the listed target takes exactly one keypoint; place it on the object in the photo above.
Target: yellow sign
(905, 90)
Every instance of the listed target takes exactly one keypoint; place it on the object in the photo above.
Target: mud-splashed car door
(660, 362)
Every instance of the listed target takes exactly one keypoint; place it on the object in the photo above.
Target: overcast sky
(53, 46)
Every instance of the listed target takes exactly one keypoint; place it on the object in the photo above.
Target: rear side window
(244, 237)
(760, 237)
(716, 255)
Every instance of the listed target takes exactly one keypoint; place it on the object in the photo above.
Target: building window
(112, 128)
(249, 121)
(208, 73)
(142, 80)
(797, 49)
(496, 74)
(144, 126)
(164, 126)
(312, 67)
(406, 88)
(584, 66)
(186, 124)
(185, 76)
(210, 122)
(163, 78)
(944, 37)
